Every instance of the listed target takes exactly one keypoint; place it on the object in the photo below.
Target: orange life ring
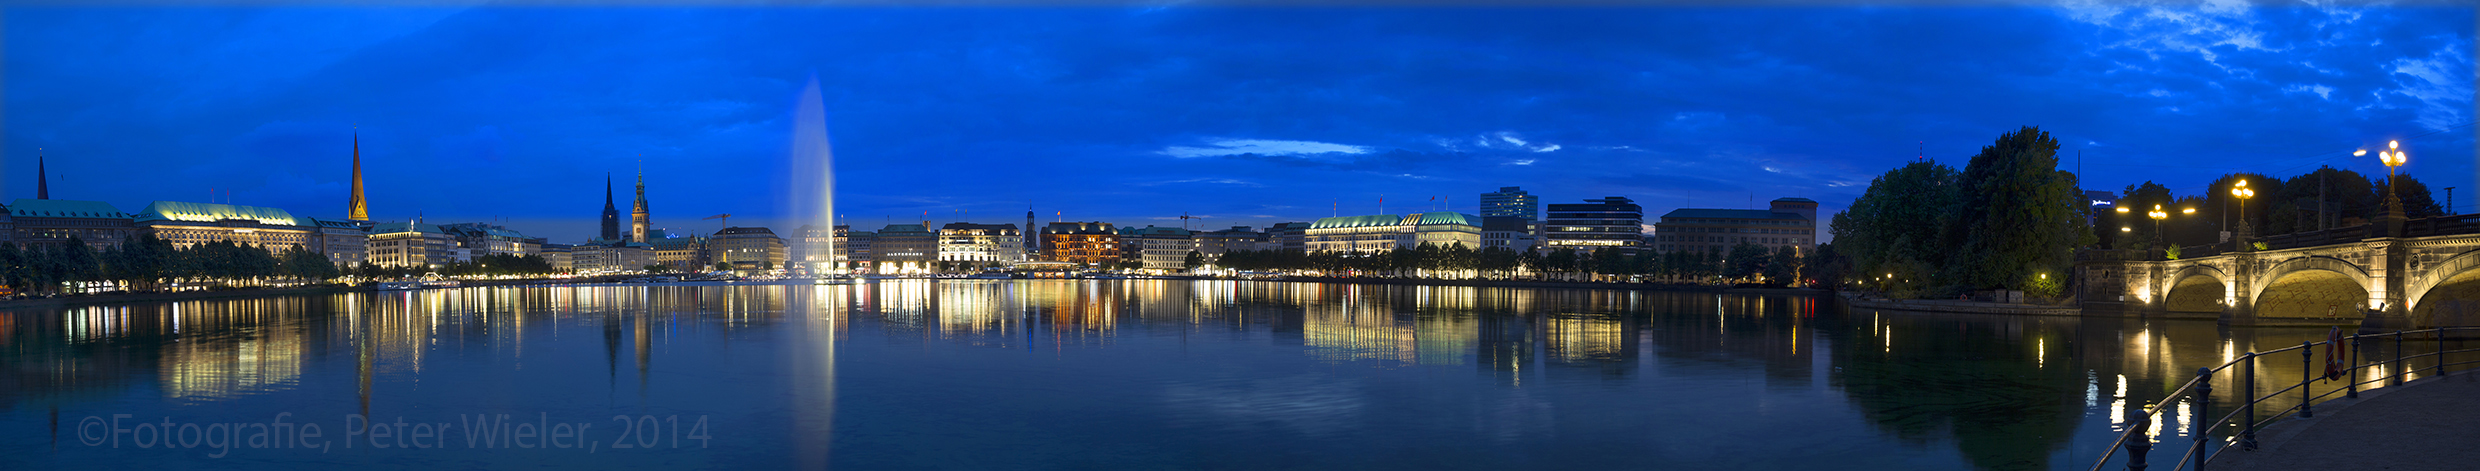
(2333, 355)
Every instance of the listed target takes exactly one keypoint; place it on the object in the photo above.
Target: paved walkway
(2428, 424)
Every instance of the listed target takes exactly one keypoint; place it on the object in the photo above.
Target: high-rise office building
(1511, 201)
(1596, 224)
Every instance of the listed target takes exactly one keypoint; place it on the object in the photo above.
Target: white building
(1388, 232)
(969, 242)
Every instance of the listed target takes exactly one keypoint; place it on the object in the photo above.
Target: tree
(1895, 222)
(2135, 230)
(1784, 268)
(13, 267)
(2342, 194)
(1192, 261)
(2416, 200)
(1747, 261)
(1827, 266)
(2018, 214)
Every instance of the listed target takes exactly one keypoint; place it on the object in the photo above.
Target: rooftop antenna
(1924, 152)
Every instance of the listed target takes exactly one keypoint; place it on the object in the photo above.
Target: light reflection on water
(1134, 374)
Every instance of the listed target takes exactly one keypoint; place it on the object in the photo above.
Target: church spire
(42, 180)
(611, 214)
(359, 209)
(639, 220)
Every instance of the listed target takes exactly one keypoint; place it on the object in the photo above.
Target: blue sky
(1244, 116)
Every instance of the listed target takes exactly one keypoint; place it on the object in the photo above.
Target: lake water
(1065, 374)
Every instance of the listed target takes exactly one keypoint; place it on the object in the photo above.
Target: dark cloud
(515, 112)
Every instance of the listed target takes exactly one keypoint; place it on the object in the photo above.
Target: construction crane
(1184, 217)
(727, 219)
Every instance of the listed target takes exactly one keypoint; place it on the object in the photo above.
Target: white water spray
(813, 180)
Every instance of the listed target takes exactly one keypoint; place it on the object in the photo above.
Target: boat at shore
(414, 285)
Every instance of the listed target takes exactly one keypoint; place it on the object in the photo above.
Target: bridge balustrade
(2239, 427)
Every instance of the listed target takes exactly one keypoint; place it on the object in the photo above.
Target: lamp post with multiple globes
(2242, 192)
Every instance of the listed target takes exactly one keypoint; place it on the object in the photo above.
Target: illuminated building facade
(1791, 222)
(1512, 233)
(345, 243)
(969, 242)
(1612, 222)
(1289, 236)
(747, 248)
(1215, 243)
(1158, 248)
(1388, 232)
(906, 248)
(482, 240)
(558, 256)
(854, 250)
(190, 224)
(609, 257)
(812, 247)
(50, 223)
(682, 253)
(1085, 243)
(410, 244)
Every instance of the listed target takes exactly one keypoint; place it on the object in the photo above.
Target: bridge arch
(2312, 287)
(2196, 288)
(2447, 293)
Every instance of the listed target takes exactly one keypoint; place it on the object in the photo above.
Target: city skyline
(1136, 116)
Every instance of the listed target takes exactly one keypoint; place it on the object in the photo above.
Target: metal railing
(2200, 391)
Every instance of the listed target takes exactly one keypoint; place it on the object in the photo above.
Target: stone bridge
(2428, 277)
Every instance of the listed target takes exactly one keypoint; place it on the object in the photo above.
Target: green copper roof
(212, 212)
(64, 209)
(1357, 221)
(1696, 213)
(1448, 218)
(395, 227)
(1385, 220)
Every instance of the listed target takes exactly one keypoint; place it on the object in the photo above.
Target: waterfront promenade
(2427, 424)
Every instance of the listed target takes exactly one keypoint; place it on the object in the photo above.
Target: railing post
(2197, 428)
(2353, 373)
(2143, 442)
(2247, 386)
(2307, 376)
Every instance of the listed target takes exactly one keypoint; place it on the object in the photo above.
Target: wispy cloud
(1261, 147)
(1204, 181)
(1521, 162)
(2440, 82)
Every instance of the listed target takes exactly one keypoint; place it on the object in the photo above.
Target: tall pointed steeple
(360, 209)
(42, 180)
(638, 219)
(611, 214)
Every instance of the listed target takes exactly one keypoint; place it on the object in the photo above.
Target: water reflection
(1600, 378)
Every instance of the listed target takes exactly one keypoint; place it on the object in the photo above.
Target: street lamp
(2157, 214)
(2393, 157)
(2243, 193)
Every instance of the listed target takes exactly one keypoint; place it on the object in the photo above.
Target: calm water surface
(1081, 375)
